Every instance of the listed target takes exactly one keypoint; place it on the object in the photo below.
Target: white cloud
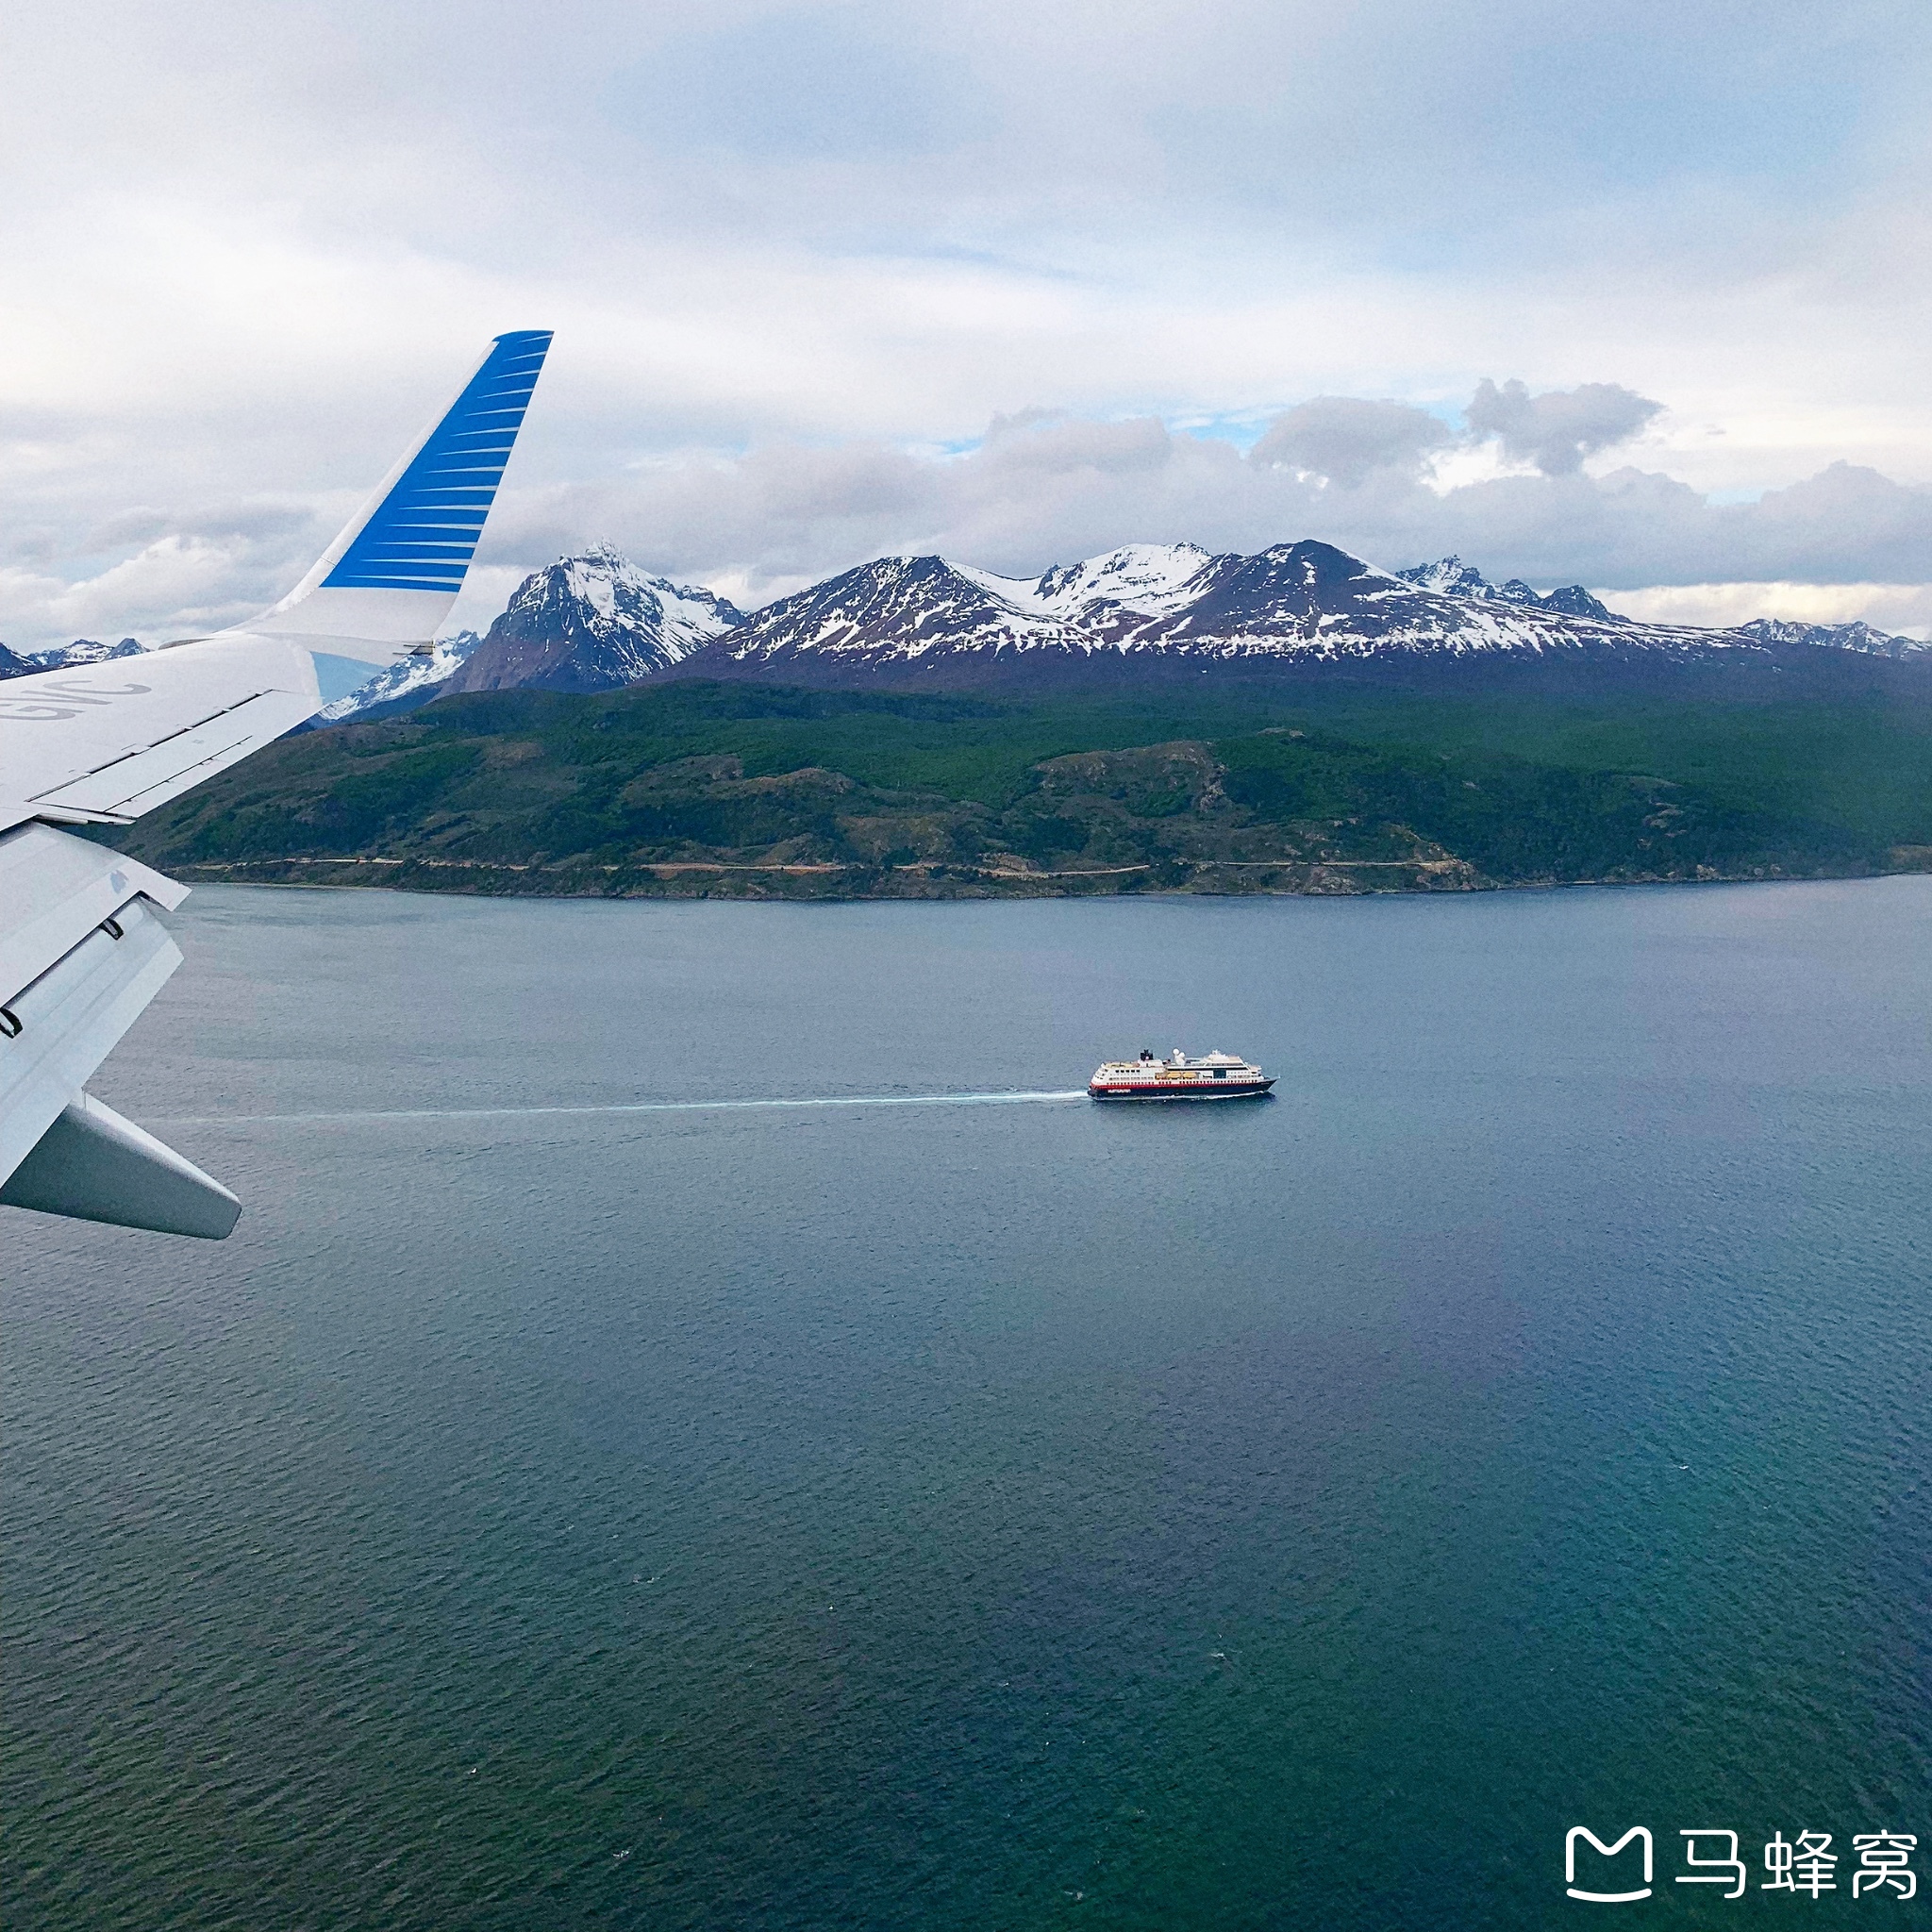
(180, 586)
(1905, 610)
(273, 237)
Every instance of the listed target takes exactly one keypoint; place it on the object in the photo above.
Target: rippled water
(982, 1515)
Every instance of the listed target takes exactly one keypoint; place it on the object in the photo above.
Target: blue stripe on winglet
(423, 534)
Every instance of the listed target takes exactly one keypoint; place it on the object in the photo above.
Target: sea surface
(568, 1502)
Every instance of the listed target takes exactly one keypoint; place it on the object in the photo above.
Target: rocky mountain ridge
(84, 651)
(1306, 603)
(594, 621)
(1856, 636)
(62, 656)
(1455, 578)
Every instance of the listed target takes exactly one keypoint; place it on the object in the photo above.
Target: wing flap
(55, 890)
(81, 955)
(58, 1028)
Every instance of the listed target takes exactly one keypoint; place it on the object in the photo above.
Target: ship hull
(1218, 1090)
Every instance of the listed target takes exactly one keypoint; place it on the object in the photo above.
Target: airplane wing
(81, 949)
(103, 743)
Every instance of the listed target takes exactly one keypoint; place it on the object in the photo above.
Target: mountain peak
(1448, 575)
(1451, 577)
(83, 651)
(1573, 600)
(590, 621)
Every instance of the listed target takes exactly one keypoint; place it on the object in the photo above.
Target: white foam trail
(498, 1113)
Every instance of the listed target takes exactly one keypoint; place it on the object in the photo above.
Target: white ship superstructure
(1216, 1075)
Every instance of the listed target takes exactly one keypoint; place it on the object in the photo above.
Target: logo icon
(1605, 1898)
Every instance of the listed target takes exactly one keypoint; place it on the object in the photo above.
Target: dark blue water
(987, 1516)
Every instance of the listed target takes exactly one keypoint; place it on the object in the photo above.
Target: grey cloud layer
(1042, 488)
(1347, 440)
(1048, 491)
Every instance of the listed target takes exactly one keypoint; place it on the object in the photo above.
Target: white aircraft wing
(106, 742)
(81, 949)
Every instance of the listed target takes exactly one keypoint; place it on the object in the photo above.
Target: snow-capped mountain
(395, 686)
(85, 651)
(1856, 636)
(1459, 579)
(1455, 578)
(81, 650)
(592, 621)
(900, 606)
(1305, 602)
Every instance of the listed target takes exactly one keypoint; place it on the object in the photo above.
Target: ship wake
(623, 1106)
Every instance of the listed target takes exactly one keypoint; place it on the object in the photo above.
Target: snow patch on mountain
(404, 678)
(1149, 578)
(1448, 576)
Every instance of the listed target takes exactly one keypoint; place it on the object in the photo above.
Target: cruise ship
(1214, 1076)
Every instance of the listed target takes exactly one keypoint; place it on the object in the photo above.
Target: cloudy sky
(1637, 292)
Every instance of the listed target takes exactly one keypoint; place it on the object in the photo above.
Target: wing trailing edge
(81, 954)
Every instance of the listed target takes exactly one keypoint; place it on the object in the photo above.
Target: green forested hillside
(694, 788)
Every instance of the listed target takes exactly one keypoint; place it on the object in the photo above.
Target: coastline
(857, 882)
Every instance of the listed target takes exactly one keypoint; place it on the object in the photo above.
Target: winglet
(386, 583)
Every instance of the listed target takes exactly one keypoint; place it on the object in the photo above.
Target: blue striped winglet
(424, 533)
